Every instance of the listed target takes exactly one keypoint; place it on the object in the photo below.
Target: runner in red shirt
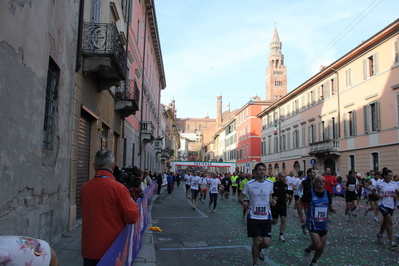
(330, 181)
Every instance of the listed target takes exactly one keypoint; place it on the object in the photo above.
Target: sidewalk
(68, 246)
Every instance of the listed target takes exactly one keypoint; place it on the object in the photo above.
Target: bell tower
(276, 72)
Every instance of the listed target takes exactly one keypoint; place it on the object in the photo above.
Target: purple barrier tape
(124, 250)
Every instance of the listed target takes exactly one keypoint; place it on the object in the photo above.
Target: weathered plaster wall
(34, 186)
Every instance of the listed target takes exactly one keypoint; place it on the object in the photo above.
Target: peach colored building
(344, 117)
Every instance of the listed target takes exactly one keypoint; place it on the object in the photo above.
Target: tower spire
(276, 73)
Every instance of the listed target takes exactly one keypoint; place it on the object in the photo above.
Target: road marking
(269, 261)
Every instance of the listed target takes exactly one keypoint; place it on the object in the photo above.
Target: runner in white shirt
(213, 187)
(203, 187)
(373, 199)
(194, 186)
(290, 179)
(297, 191)
(386, 192)
(259, 217)
(187, 182)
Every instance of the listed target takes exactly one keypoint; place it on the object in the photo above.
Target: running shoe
(282, 238)
(393, 244)
(306, 255)
(379, 238)
(261, 256)
(347, 217)
(193, 207)
(376, 219)
(214, 211)
(366, 211)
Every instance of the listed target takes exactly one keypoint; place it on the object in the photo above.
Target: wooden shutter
(346, 124)
(365, 69)
(366, 118)
(375, 63)
(377, 114)
(354, 122)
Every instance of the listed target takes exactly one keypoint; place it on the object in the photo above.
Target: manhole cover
(195, 244)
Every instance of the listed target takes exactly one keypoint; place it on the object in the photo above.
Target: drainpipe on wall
(142, 87)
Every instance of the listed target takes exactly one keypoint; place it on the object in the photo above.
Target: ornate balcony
(127, 96)
(158, 145)
(103, 53)
(325, 147)
(147, 131)
(165, 154)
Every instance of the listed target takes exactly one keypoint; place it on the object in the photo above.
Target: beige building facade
(344, 117)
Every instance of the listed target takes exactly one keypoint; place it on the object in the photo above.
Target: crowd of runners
(266, 198)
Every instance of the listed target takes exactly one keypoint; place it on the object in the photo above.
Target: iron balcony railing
(102, 39)
(127, 90)
(331, 146)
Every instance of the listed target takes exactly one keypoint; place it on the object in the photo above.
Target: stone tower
(219, 109)
(276, 72)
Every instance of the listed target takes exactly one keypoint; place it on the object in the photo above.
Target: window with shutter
(396, 52)
(375, 116)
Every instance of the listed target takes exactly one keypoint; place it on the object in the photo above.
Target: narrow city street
(199, 237)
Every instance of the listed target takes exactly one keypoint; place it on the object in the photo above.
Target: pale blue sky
(223, 45)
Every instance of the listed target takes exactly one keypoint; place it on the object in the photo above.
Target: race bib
(320, 214)
(260, 210)
(214, 190)
(351, 187)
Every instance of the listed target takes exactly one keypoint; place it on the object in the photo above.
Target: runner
(187, 182)
(319, 205)
(386, 192)
(194, 187)
(306, 185)
(290, 179)
(280, 195)
(203, 187)
(259, 225)
(226, 181)
(213, 185)
(297, 192)
(234, 184)
(248, 177)
(351, 186)
(373, 199)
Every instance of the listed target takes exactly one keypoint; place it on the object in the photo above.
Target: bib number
(321, 214)
(260, 210)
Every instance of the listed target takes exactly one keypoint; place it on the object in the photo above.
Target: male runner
(259, 225)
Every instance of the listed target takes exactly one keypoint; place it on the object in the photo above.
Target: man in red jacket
(106, 209)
